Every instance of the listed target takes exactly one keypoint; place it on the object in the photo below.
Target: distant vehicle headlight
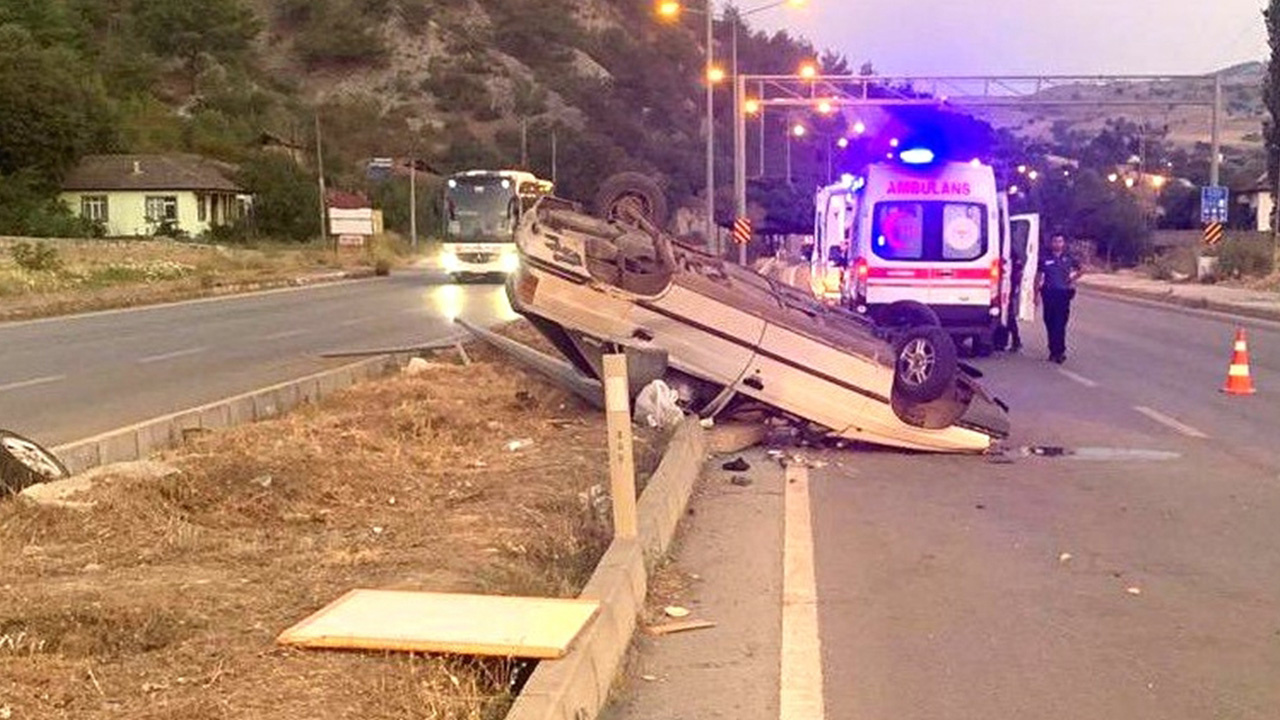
(449, 261)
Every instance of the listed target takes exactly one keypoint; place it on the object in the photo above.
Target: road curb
(1191, 305)
(138, 441)
(576, 687)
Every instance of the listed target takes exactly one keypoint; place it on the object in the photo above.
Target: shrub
(1245, 257)
(40, 257)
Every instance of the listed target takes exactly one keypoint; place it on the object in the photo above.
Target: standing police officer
(1056, 287)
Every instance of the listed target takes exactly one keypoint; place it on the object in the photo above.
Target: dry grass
(164, 601)
(102, 274)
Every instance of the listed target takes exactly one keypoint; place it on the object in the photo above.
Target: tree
(286, 202)
(189, 29)
(54, 110)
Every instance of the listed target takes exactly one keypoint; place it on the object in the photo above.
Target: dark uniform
(1057, 289)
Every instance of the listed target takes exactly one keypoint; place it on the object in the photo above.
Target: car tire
(907, 314)
(632, 187)
(24, 463)
(925, 364)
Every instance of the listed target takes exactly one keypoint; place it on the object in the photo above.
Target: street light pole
(713, 240)
(739, 145)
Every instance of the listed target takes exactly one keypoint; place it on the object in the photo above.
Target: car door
(1024, 232)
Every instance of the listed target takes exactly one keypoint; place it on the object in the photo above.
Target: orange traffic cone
(1238, 380)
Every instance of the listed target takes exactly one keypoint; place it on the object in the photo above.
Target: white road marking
(285, 334)
(800, 695)
(171, 355)
(1171, 422)
(1078, 378)
(32, 382)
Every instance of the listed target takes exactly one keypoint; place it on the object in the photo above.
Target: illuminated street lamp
(859, 127)
(715, 75)
(751, 106)
(808, 71)
(842, 143)
(1033, 175)
(825, 107)
(739, 124)
(1113, 177)
(670, 10)
(1158, 181)
(1129, 182)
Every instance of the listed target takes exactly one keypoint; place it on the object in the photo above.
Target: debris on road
(740, 481)
(678, 627)
(657, 406)
(467, 624)
(737, 465)
(1064, 557)
(1134, 591)
(676, 611)
(518, 445)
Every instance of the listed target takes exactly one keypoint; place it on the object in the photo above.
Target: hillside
(454, 83)
(1182, 126)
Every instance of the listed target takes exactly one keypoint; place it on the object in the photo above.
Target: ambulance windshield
(930, 231)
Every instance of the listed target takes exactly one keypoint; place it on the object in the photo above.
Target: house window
(202, 212)
(94, 208)
(162, 208)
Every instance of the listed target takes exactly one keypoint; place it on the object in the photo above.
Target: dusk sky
(1030, 36)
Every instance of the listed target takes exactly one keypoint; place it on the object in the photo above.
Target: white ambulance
(918, 241)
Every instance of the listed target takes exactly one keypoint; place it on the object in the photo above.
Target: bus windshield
(480, 209)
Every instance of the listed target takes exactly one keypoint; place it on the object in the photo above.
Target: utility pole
(1215, 164)
(324, 213)
(413, 203)
(553, 155)
(524, 143)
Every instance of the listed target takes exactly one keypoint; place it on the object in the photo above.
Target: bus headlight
(449, 261)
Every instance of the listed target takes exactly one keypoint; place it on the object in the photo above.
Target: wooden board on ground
(540, 628)
(728, 438)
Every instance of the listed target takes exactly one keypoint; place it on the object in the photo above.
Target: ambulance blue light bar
(917, 156)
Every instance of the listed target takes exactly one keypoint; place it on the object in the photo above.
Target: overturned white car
(734, 340)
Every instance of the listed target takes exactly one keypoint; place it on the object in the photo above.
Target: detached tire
(925, 364)
(24, 463)
(632, 188)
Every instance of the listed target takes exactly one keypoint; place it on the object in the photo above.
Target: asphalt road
(64, 379)
(1138, 578)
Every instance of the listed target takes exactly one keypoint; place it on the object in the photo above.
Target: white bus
(481, 211)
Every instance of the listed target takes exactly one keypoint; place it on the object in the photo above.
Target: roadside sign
(1214, 207)
(350, 241)
(1213, 233)
(742, 230)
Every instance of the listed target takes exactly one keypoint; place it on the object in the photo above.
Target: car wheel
(24, 463)
(925, 364)
(907, 314)
(635, 189)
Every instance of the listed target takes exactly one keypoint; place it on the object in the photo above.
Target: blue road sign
(1214, 207)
